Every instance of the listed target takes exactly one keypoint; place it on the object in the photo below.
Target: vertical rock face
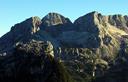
(119, 21)
(36, 22)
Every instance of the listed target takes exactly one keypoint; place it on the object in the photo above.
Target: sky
(16, 11)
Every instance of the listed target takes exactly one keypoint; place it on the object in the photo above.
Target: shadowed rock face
(30, 25)
(33, 62)
(87, 23)
(20, 32)
(85, 47)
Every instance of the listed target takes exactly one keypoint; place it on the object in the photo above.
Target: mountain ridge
(88, 47)
(92, 30)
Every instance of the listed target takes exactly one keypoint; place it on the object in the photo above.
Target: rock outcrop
(33, 62)
(119, 21)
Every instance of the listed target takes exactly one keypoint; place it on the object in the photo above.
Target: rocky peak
(97, 23)
(20, 32)
(30, 25)
(93, 13)
(55, 24)
(88, 22)
(119, 21)
(54, 19)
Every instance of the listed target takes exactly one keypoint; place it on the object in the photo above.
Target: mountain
(55, 49)
(20, 32)
(55, 24)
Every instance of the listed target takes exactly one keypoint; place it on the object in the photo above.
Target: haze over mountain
(92, 49)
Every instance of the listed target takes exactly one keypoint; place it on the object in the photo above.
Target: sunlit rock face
(119, 21)
(55, 24)
(52, 19)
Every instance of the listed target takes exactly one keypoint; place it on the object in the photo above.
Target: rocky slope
(83, 51)
(33, 62)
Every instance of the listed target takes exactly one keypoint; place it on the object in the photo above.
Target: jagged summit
(53, 18)
(55, 24)
(94, 27)
(119, 21)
